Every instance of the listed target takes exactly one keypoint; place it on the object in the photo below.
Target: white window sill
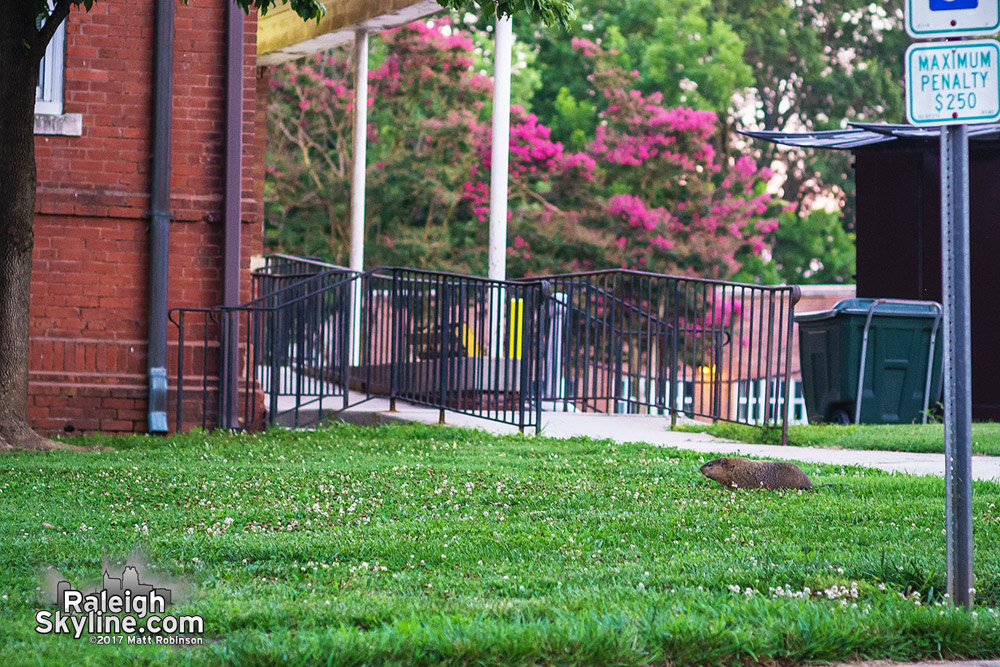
(67, 124)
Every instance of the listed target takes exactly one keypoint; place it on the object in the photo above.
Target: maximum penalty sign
(953, 83)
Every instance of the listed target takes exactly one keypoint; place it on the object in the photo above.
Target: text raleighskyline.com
(122, 606)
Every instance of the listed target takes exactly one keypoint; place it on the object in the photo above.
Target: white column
(504, 36)
(357, 260)
(500, 161)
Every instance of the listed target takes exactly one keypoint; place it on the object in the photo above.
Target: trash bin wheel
(840, 416)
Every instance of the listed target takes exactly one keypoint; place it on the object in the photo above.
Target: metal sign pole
(957, 361)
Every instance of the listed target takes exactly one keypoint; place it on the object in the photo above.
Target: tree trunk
(18, 76)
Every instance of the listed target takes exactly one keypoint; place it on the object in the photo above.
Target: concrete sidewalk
(655, 430)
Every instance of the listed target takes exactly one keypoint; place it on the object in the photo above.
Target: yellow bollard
(516, 327)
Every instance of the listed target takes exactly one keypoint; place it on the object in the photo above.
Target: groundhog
(750, 474)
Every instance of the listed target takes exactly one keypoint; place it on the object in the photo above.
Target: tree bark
(18, 76)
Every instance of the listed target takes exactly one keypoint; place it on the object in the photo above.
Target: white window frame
(49, 90)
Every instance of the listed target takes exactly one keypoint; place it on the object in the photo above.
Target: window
(49, 91)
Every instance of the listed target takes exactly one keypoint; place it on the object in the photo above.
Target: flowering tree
(429, 101)
(429, 165)
(675, 206)
(649, 191)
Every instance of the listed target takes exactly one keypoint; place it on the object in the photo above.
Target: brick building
(96, 125)
(94, 150)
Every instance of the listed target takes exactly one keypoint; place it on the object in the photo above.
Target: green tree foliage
(695, 58)
(813, 249)
(818, 65)
(549, 12)
(760, 64)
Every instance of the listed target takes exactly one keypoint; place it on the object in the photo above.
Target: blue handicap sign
(948, 5)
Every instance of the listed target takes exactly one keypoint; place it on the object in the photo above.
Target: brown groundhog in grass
(750, 474)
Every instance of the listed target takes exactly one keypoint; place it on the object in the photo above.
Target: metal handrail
(616, 339)
(864, 351)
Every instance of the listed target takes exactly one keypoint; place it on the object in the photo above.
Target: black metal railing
(636, 342)
(268, 360)
(609, 341)
(454, 342)
(284, 270)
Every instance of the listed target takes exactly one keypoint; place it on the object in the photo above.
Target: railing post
(526, 351)
(394, 342)
(299, 318)
(443, 356)
(275, 380)
(717, 374)
(540, 311)
(614, 336)
(793, 299)
(224, 370)
(673, 306)
(204, 370)
(769, 414)
(367, 307)
(180, 376)
(344, 328)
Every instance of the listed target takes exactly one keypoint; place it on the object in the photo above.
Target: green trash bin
(887, 346)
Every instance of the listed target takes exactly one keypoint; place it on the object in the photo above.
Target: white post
(357, 260)
(504, 37)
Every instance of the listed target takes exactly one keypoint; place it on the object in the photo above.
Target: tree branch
(44, 35)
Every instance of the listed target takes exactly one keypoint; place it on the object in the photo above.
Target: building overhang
(282, 35)
(862, 136)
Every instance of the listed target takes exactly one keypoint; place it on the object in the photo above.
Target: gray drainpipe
(232, 213)
(160, 225)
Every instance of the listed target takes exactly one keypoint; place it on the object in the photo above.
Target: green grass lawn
(884, 437)
(421, 545)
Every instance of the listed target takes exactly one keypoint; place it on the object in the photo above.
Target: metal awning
(860, 135)
(282, 35)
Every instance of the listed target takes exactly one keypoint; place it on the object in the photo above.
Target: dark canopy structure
(898, 225)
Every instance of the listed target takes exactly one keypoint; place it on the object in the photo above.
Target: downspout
(234, 156)
(160, 225)
(232, 214)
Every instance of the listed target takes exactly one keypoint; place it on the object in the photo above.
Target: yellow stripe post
(516, 327)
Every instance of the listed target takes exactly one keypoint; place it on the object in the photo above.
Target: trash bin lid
(861, 307)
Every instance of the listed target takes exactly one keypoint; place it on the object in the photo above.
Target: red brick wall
(89, 312)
